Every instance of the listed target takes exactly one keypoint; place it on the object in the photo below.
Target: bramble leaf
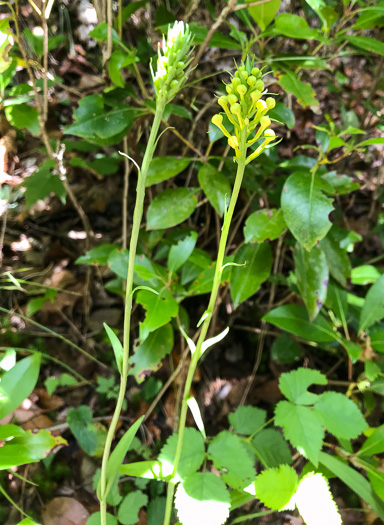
(276, 486)
(294, 385)
(340, 415)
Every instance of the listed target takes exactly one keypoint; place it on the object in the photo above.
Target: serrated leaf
(22, 116)
(247, 419)
(264, 225)
(276, 486)
(302, 427)
(294, 385)
(340, 415)
(306, 208)
(321, 508)
(192, 454)
(271, 448)
(246, 280)
(311, 270)
(170, 207)
(164, 168)
(42, 183)
(294, 319)
(17, 384)
(129, 508)
(229, 454)
(373, 309)
(215, 186)
(202, 498)
(148, 355)
(159, 310)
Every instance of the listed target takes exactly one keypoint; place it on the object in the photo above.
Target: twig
(251, 4)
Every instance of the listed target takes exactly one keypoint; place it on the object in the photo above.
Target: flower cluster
(246, 110)
(173, 58)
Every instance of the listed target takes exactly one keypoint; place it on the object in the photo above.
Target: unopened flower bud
(251, 81)
(265, 122)
(228, 89)
(271, 103)
(255, 96)
(245, 74)
(174, 84)
(241, 90)
(235, 109)
(233, 142)
(255, 71)
(236, 81)
(232, 99)
(260, 85)
(217, 120)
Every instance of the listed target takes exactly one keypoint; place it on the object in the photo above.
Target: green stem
(137, 217)
(241, 162)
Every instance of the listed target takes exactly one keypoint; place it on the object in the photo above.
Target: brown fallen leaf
(65, 511)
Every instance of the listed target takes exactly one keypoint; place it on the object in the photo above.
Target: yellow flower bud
(271, 103)
(265, 122)
(232, 99)
(235, 109)
(245, 74)
(223, 102)
(251, 81)
(260, 85)
(236, 82)
(217, 120)
(255, 71)
(233, 142)
(255, 96)
(229, 89)
(241, 90)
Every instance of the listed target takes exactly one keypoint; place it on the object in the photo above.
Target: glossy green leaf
(17, 384)
(271, 448)
(119, 59)
(294, 319)
(264, 14)
(164, 168)
(180, 252)
(156, 511)
(22, 116)
(215, 186)
(128, 513)
(283, 114)
(247, 419)
(374, 444)
(159, 310)
(373, 309)
(294, 385)
(306, 208)
(302, 427)
(117, 347)
(192, 454)
(276, 486)
(337, 259)
(230, 456)
(337, 301)
(294, 26)
(246, 280)
(367, 43)
(98, 255)
(340, 415)
(202, 494)
(354, 480)
(341, 184)
(100, 126)
(312, 274)
(264, 225)
(148, 355)
(365, 274)
(377, 341)
(371, 142)
(170, 207)
(304, 93)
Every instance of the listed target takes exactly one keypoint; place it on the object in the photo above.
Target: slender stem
(137, 217)
(241, 161)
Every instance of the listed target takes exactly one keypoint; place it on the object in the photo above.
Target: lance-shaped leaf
(373, 309)
(306, 208)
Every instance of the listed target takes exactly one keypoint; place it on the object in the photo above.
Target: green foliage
(264, 225)
(192, 454)
(276, 486)
(215, 186)
(130, 506)
(247, 419)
